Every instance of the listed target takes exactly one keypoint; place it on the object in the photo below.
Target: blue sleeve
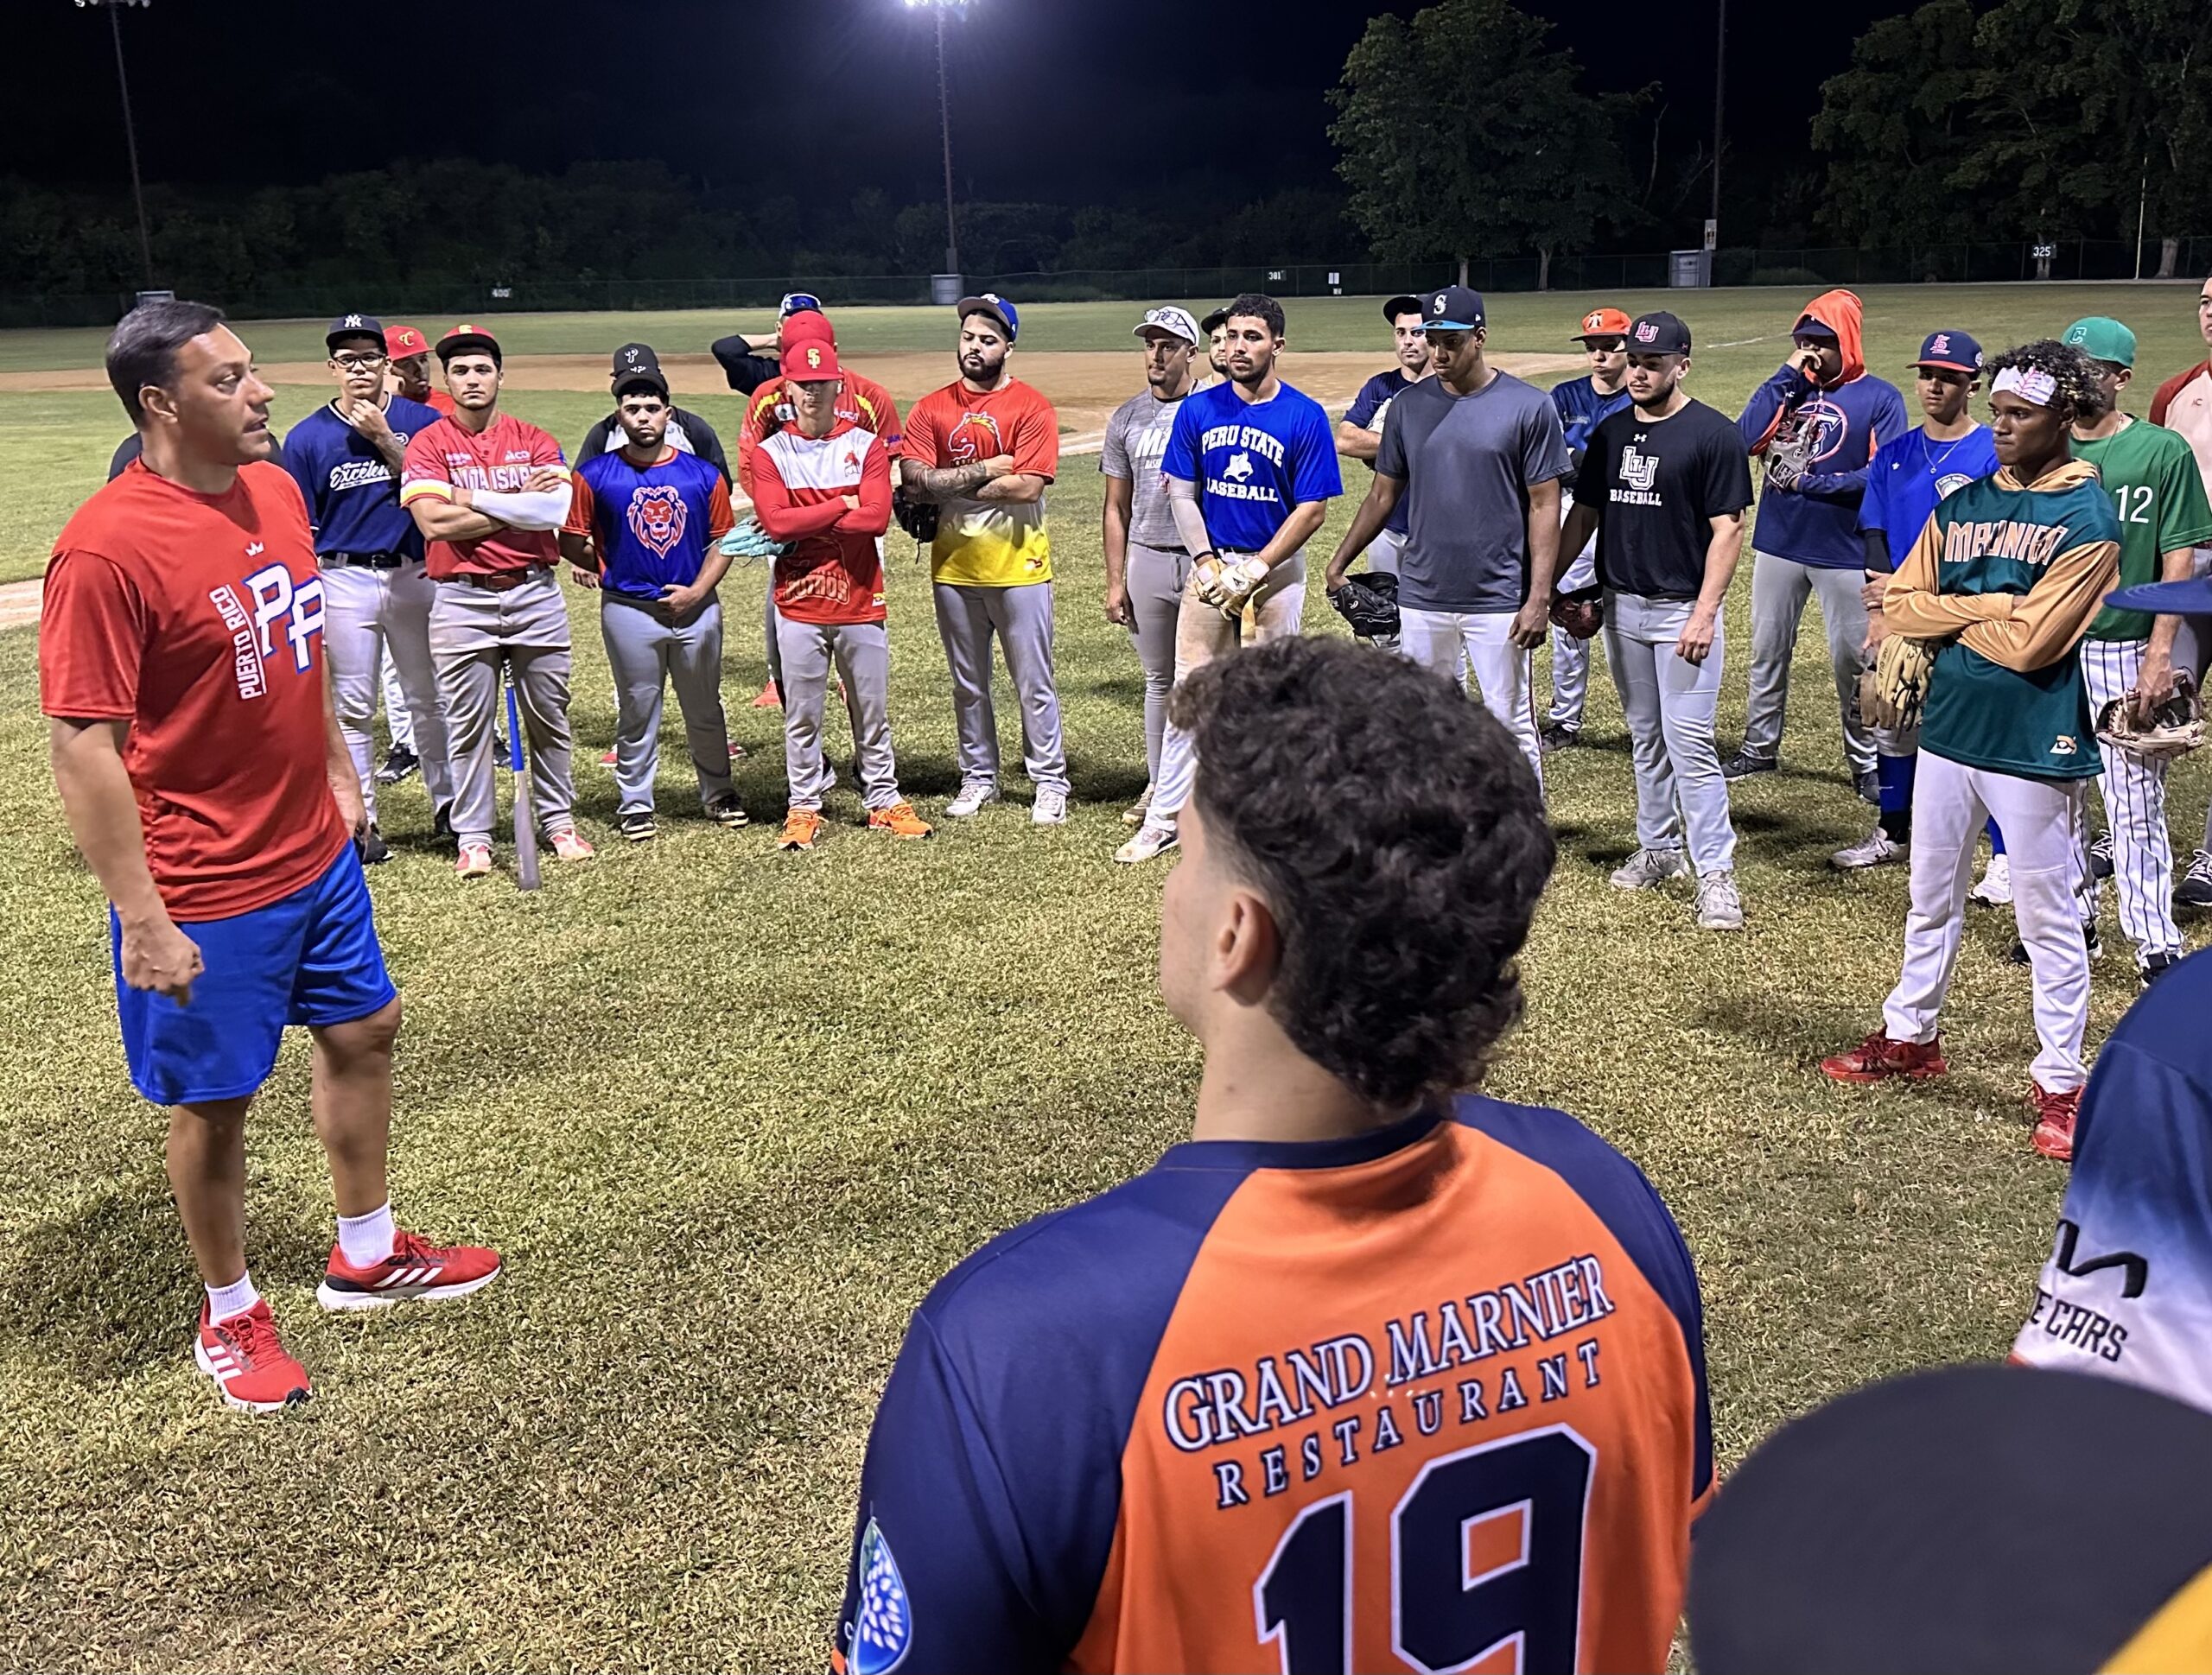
(1362, 410)
(1843, 487)
(1315, 474)
(1180, 459)
(1756, 424)
(1875, 504)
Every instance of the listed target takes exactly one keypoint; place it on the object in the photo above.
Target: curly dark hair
(1399, 840)
(1257, 306)
(2080, 395)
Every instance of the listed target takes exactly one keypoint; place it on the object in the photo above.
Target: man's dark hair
(141, 349)
(1256, 305)
(643, 386)
(2080, 395)
(1399, 840)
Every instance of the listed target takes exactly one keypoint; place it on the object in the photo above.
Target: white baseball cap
(1172, 320)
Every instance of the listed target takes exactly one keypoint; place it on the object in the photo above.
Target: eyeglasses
(357, 363)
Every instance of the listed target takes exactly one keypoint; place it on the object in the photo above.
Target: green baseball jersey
(2151, 476)
(1993, 536)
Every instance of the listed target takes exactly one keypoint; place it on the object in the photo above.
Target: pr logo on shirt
(656, 516)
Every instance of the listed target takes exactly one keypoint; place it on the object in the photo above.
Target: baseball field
(729, 1112)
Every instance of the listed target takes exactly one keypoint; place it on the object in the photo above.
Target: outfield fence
(448, 297)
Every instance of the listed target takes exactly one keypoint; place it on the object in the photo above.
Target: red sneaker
(1877, 1058)
(416, 1271)
(2055, 1114)
(769, 698)
(243, 1355)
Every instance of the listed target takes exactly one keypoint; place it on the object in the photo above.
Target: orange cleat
(801, 828)
(769, 698)
(2055, 1114)
(1877, 1058)
(899, 820)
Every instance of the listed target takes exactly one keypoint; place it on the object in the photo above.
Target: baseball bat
(525, 818)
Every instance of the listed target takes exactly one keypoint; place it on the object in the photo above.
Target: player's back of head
(1399, 840)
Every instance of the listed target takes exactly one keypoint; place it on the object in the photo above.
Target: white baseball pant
(1571, 657)
(1780, 587)
(2042, 825)
(2134, 789)
(647, 653)
(1502, 673)
(398, 714)
(367, 616)
(860, 652)
(1668, 701)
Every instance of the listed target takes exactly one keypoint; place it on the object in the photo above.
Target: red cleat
(416, 1271)
(769, 698)
(2055, 1114)
(1877, 1058)
(606, 759)
(243, 1355)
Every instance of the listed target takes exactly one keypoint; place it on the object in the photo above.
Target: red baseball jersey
(198, 619)
(1429, 1399)
(501, 457)
(988, 543)
(863, 402)
(833, 572)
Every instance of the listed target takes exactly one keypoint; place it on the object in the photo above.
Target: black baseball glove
(1368, 602)
(1581, 614)
(917, 517)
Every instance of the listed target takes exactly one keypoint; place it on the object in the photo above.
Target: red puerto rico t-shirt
(198, 619)
(501, 457)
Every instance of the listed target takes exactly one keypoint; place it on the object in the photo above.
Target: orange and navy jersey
(1429, 1399)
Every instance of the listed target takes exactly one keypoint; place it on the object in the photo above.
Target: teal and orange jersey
(1429, 1398)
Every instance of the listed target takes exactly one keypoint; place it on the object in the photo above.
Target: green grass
(729, 1113)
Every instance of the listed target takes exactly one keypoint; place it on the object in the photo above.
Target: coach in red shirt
(200, 768)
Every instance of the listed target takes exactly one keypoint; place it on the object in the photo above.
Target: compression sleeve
(525, 509)
(1189, 522)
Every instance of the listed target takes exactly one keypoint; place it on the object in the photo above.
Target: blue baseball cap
(991, 303)
(348, 325)
(1954, 350)
(2192, 598)
(798, 303)
(1452, 308)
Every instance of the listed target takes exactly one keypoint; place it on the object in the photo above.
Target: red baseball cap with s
(811, 361)
(469, 338)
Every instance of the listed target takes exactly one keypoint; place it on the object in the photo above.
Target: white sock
(235, 1298)
(363, 1239)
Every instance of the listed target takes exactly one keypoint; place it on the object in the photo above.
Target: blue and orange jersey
(1430, 1397)
(651, 525)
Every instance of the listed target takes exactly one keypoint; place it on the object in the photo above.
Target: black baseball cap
(636, 363)
(467, 339)
(1452, 308)
(352, 326)
(1659, 333)
(1214, 322)
(1967, 1518)
(1400, 305)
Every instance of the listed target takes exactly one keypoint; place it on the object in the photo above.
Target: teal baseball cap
(2102, 338)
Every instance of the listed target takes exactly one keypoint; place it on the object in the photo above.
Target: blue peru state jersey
(352, 496)
(1254, 462)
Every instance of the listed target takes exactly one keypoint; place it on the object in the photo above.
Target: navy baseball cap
(347, 326)
(798, 303)
(1400, 305)
(1954, 350)
(1452, 308)
(636, 363)
(991, 303)
(1659, 333)
(1214, 322)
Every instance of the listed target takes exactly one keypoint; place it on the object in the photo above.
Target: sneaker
(1742, 763)
(1878, 849)
(398, 763)
(1878, 1057)
(2091, 939)
(2195, 889)
(2152, 966)
(1718, 906)
(499, 753)
(973, 796)
(1135, 814)
(441, 821)
(374, 850)
(1050, 808)
(2055, 1114)
(1556, 736)
(416, 1271)
(606, 759)
(637, 825)
(1150, 843)
(474, 861)
(1648, 867)
(2101, 857)
(243, 1355)
(769, 698)
(1995, 888)
(569, 844)
(726, 809)
(1869, 787)
(899, 820)
(736, 750)
(801, 828)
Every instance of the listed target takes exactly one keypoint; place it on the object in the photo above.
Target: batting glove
(1238, 582)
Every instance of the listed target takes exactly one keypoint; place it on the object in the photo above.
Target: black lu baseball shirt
(1655, 486)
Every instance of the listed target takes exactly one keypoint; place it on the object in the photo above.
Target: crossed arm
(542, 503)
(993, 480)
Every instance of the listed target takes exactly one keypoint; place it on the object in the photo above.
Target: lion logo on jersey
(656, 516)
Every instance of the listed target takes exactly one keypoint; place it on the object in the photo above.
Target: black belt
(367, 561)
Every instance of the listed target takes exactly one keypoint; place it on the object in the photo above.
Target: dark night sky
(1064, 100)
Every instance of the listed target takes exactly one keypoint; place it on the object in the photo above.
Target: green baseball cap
(2102, 338)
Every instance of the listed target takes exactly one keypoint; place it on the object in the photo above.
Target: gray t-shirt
(1135, 438)
(1468, 463)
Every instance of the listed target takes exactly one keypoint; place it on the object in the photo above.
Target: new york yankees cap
(1967, 1519)
(350, 326)
(1954, 350)
(1452, 308)
(1659, 333)
(636, 363)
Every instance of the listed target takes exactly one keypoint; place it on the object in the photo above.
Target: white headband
(2029, 384)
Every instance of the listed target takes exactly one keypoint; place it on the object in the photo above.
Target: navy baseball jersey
(1368, 410)
(352, 496)
(1580, 410)
(1253, 461)
(650, 523)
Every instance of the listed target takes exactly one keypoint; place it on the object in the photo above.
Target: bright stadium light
(130, 128)
(944, 118)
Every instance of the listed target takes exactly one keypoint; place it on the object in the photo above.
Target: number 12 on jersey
(1445, 1615)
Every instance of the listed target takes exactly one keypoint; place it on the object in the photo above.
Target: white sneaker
(972, 798)
(1051, 809)
(1878, 849)
(1995, 889)
(1648, 867)
(1150, 842)
(1718, 906)
(1135, 814)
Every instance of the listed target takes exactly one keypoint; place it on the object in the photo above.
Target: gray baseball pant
(1021, 616)
(645, 651)
(1779, 589)
(370, 616)
(474, 632)
(1155, 578)
(862, 653)
(398, 713)
(1669, 703)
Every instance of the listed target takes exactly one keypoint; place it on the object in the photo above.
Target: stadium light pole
(1719, 99)
(945, 121)
(130, 127)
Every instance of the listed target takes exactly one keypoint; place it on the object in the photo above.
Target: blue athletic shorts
(311, 958)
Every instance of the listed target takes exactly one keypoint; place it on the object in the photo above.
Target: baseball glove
(917, 517)
(1368, 603)
(2175, 727)
(749, 540)
(1579, 614)
(1891, 693)
(1787, 455)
